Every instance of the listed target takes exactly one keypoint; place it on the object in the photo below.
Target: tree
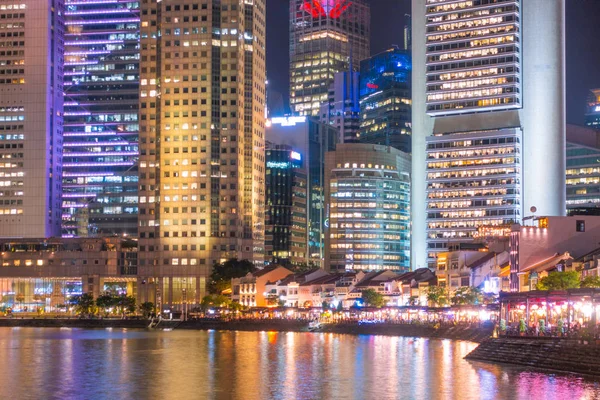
(147, 308)
(325, 305)
(126, 304)
(591, 282)
(214, 300)
(340, 307)
(373, 298)
(106, 301)
(559, 281)
(84, 304)
(438, 295)
(223, 273)
(467, 295)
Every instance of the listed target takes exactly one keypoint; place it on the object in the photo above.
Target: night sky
(583, 45)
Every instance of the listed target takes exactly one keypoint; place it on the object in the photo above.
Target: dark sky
(583, 45)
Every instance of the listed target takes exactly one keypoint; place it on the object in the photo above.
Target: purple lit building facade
(30, 117)
(101, 74)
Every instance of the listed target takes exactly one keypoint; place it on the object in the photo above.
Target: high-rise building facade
(592, 113)
(202, 164)
(342, 108)
(100, 178)
(488, 117)
(324, 36)
(286, 234)
(31, 108)
(367, 196)
(312, 140)
(583, 169)
(385, 99)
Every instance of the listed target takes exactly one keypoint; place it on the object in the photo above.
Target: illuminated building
(342, 108)
(202, 168)
(488, 120)
(324, 36)
(367, 196)
(31, 106)
(544, 244)
(286, 236)
(101, 79)
(592, 114)
(583, 169)
(45, 273)
(312, 140)
(385, 111)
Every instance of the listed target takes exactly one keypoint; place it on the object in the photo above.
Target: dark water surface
(120, 364)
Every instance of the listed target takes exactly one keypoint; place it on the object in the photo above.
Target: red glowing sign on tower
(321, 8)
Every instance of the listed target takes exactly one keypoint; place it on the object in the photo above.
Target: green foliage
(223, 273)
(147, 308)
(559, 281)
(560, 325)
(214, 300)
(437, 295)
(325, 305)
(542, 324)
(502, 325)
(127, 304)
(467, 295)
(373, 298)
(340, 306)
(413, 301)
(522, 325)
(590, 282)
(84, 304)
(106, 301)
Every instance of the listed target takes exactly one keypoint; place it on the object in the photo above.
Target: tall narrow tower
(31, 109)
(100, 177)
(488, 117)
(202, 100)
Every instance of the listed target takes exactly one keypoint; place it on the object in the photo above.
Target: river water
(121, 364)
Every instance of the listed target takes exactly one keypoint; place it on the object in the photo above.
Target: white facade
(31, 106)
(506, 76)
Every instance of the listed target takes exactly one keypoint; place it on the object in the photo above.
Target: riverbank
(548, 354)
(459, 332)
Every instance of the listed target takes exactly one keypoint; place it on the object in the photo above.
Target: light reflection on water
(121, 364)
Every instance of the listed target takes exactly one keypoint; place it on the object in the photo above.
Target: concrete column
(543, 113)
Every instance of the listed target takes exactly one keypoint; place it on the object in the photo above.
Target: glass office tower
(101, 87)
(385, 99)
(324, 36)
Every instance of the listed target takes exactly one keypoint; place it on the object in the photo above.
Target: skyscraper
(100, 178)
(286, 239)
(324, 36)
(312, 140)
(385, 111)
(342, 108)
(367, 195)
(488, 117)
(31, 107)
(583, 169)
(202, 101)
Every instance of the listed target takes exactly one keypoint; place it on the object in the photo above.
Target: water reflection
(119, 364)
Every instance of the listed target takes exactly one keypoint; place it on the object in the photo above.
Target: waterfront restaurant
(565, 308)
